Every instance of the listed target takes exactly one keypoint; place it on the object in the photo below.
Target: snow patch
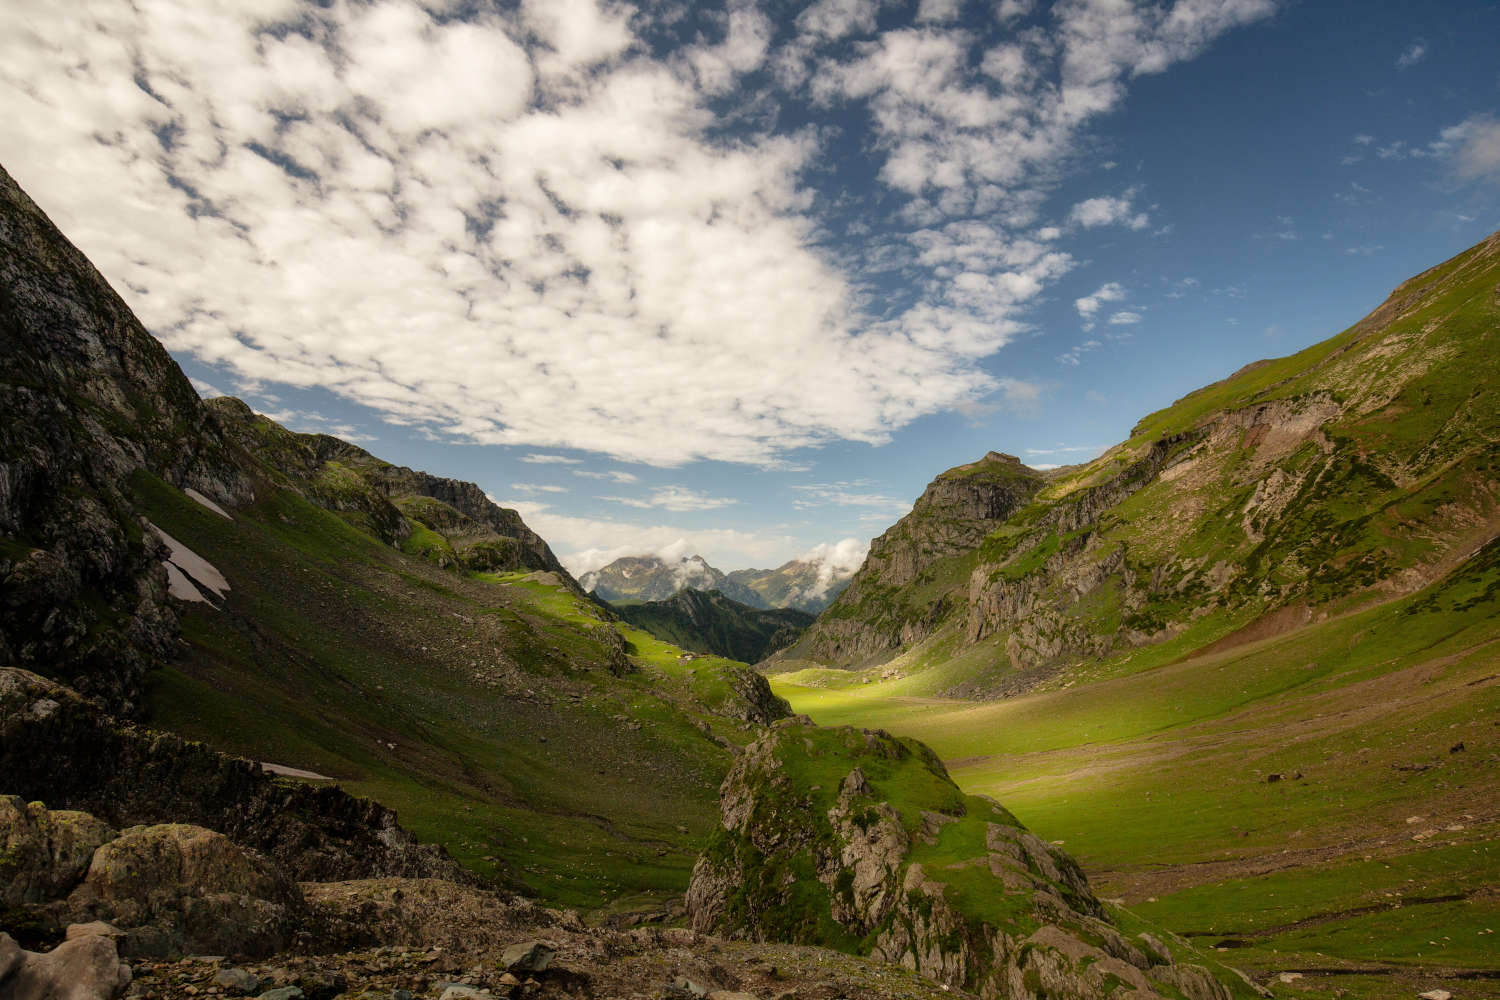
(188, 573)
(205, 501)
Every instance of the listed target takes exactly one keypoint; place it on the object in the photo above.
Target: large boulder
(179, 889)
(860, 841)
(44, 854)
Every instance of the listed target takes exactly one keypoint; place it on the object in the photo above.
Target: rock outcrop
(858, 840)
(90, 399)
(59, 748)
(874, 615)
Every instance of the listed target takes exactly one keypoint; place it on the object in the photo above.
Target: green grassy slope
(1373, 849)
(1295, 573)
(486, 708)
(710, 622)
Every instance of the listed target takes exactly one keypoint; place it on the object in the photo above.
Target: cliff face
(886, 605)
(859, 841)
(89, 399)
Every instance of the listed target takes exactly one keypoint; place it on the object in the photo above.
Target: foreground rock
(860, 841)
(84, 967)
(59, 748)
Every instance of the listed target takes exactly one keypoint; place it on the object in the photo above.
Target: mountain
(1357, 470)
(1244, 664)
(445, 521)
(804, 584)
(709, 622)
(807, 585)
(652, 578)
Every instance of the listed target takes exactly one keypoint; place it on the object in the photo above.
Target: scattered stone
(1436, 995)
(728, 995)
(283, 993)
(402, 995)
(510, 979)
(237, 980)
(1289, 977)
(1457, 747)
(529, 956)
(687, 987)
(87, 967)
(1272, 778)
(460, 992)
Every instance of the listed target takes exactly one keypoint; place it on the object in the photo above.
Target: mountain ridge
(709, 622)
(801, 584)
(1295, 479)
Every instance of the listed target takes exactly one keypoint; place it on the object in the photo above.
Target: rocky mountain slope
(805, 584)
(903, 591)
(89, 398)
(802, 584)
(652, 578)
(1354, 471)
(444, 521)
(709, 622)
(857, 840)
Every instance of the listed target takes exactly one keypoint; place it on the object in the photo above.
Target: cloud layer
(530, 227)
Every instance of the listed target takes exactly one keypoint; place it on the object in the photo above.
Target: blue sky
(741, 279)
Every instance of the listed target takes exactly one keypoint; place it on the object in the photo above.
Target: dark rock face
(88, 398)
(858, 840)
(953, 515)
(58, 748)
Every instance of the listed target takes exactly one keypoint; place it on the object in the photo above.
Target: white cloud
(536, 488)
(1413, 54)
(1125, 318)
(678, 499)
(523, 229)
(583, 544)
(1096, 212)
(937, 11)
(536, 459)
(206, 389)
(1474, 147)
(833, 19)
(1089, 305)
(848, 494)
(611, 475)
(834, 561)
(1089, 450)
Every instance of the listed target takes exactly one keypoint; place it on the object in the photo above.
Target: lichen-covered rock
(44, 854)
(180, 889)
(860, 841)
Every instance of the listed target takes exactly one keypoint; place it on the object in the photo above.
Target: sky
(741, 279)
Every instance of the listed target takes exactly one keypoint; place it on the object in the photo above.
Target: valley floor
(1322, 806)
